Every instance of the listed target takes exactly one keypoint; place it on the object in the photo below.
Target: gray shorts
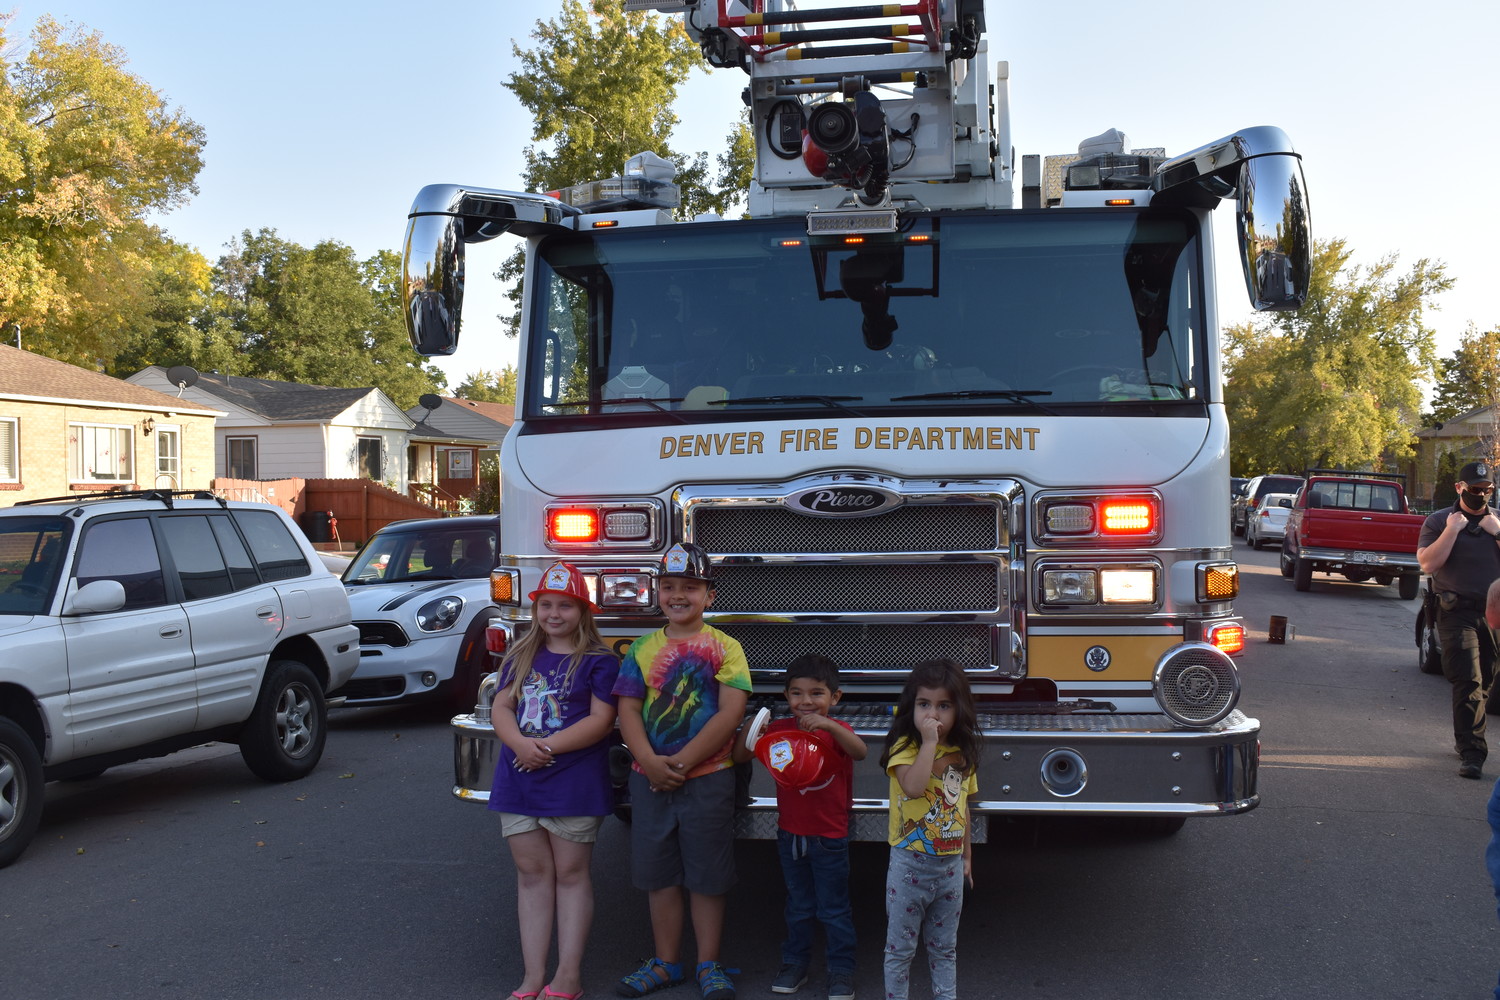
(684, 837)
(578, 829)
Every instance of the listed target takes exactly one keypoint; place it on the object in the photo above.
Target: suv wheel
(283, 738)
(21, 791)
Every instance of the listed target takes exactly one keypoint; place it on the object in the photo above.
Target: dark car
(1237, 486)
(1249, 501)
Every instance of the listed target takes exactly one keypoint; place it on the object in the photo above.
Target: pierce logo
(842, 501)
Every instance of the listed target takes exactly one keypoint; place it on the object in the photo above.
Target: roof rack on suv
(164, 496)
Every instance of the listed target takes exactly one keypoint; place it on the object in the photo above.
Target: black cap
(1476, 472)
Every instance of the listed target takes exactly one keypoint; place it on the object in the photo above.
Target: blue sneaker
(653, 975)
(714, 981)
(841, 986)
(790, 979)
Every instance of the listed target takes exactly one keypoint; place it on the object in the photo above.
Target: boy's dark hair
(814, 667)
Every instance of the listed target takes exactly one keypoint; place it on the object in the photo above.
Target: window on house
(168, 457)
(100, 453)
(10, 450)
(239, 462)
(369, 458)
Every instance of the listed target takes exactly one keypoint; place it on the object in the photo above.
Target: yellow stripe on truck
(1066, 657)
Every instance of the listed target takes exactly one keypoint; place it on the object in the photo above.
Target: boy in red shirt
(813, 834)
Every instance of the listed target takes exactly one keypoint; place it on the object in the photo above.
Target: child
(554, 713)
(931, 754)
(813, 834)
(682, 693)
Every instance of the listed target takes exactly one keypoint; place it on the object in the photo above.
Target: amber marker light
(854, 240)
(606, 223)
(1119, 202)
(789, 244)
(1228, 638)
(574, 526)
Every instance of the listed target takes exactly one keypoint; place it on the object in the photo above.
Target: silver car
(420, 594)
(1267, 524)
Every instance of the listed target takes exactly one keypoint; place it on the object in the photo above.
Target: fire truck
(925, 399)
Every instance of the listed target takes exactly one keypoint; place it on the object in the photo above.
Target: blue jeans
(816, 870)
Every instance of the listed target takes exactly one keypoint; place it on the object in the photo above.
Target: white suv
(136, 624)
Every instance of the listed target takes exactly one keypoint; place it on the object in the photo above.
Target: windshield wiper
(654, 402)
(1014, 395)
(835, 402)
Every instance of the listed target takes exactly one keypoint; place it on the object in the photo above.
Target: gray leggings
(924, 897)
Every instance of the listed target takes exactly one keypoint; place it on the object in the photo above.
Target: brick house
(1468, 437)
(64, 429)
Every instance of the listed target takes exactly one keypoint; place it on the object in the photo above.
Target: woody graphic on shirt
(940, 830)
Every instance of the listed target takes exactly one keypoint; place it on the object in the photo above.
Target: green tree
(317, 316)
(87, 152)
(1469, 378)
(599, 87)
(489, 387)
(1334, 384)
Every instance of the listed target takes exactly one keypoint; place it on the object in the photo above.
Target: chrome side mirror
(1261, 170)
(1275, 236)
(442, 219)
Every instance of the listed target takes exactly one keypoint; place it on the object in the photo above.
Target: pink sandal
(518, 995)
(552, 994)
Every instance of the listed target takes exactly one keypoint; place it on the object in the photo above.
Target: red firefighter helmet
(796, 758)
(564, 578)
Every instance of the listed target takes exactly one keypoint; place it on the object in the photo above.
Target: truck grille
(959, 527)
(774, 645)
(786, 588)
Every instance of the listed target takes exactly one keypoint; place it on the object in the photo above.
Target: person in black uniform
(1460, 549)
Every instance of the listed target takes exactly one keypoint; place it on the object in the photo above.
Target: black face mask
(1473, 501)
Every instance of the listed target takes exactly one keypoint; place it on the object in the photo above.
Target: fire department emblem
(1096, 659)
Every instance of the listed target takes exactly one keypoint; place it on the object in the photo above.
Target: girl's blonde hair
(516, 665)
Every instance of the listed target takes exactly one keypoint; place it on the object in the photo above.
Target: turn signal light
(1230, 638)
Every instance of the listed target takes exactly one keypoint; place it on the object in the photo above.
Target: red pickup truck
(1356, 524)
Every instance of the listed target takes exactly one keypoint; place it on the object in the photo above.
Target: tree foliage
(1469, 378)
(599, 85)
(317, 316)
(87, 152)
(489, 387)
(1333, 384)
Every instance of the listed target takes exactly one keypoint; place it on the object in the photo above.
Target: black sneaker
(1471, 769)
(840, 986)
(790, 979)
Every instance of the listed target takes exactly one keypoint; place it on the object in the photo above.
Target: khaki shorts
(578, 829)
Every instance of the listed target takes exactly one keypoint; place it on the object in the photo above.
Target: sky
(325, 117)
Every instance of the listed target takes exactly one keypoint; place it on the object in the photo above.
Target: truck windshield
(1054, 311)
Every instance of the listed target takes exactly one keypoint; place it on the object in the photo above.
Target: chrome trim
(1213, 686)
(442, 219)
(1103, 562)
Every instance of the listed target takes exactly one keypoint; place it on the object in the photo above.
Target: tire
(1250, 537)
(283, 738)
(1239, 530)
(1429, 656)
(1407, 586)
(1302, 574)
(21, 791)
(1286, 563)
(470, 668)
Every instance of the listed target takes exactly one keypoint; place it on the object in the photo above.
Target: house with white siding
(287, 430)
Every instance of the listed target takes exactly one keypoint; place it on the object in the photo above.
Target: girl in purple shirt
(554, 714)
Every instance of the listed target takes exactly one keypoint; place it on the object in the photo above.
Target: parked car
(137, 624)
(1355, 524)
(1268, 523)
(420, 593)
(1254, 494)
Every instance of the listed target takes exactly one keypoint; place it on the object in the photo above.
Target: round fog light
(1196, 684)
(1064, 772)
(429, 679)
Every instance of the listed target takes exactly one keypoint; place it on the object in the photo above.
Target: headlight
(1070, 586)
(434, 616)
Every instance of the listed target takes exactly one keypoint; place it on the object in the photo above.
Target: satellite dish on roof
(183, 377)
(430, 401)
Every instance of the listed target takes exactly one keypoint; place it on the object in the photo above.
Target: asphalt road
(1360, 875)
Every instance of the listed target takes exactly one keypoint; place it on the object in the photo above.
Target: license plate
(1366, 557)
